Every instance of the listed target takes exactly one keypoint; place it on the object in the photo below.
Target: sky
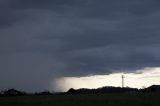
(140, 79)
(45, 40)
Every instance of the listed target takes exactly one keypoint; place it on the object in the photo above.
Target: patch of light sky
(140, 79)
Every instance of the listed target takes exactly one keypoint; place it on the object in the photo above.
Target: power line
(122, 81)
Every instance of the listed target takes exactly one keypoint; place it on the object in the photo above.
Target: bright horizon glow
(140, 79)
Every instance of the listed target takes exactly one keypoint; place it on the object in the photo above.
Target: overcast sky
(41, 40)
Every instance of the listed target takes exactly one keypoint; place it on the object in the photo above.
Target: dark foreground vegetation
(144, 99)
(105, 96)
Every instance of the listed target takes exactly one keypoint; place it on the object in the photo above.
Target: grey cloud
(42, 40)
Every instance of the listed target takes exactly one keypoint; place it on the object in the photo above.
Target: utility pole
(122, 81)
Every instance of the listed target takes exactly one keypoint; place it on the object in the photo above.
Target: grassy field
(84, 100)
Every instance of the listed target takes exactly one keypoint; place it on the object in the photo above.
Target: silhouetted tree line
(13, 92)
(44, 93)
(153, 88)
(101, 90)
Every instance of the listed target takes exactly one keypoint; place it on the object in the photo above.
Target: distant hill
(106, 89)
(102, 90)
(153, 88)
(12, 92)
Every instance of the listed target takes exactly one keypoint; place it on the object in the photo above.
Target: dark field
(83, 100)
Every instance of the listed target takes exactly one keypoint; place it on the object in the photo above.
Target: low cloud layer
(41, 40)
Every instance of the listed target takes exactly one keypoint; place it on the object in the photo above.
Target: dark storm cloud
(44, 39)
